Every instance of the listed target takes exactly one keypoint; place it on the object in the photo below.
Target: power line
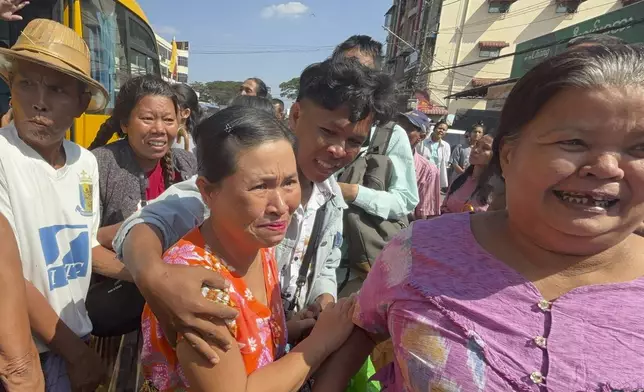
(267, 46)
(432, 91)
(544, 46)
(420, 59)
(244, 52)
(421, 62)
(511, 14)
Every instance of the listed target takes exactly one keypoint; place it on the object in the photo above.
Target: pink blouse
(456, 201)
(428, 179)
(461, 320)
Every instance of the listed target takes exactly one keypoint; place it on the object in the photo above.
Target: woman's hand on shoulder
(174, 293)
(335, 323)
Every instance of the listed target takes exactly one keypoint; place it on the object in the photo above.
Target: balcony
(489, 49)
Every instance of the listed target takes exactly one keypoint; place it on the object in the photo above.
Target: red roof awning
(479, 82)
(493, 44)
(434, 110)
(427, 106)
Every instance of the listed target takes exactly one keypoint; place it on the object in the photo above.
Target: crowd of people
(247, 250)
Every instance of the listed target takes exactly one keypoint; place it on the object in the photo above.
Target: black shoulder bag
(115, 306)
(308, 264)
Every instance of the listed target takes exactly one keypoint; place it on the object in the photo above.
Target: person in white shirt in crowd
(438, 151)
(19, 365)
(401, 198)
(49, 195)
(460, 159)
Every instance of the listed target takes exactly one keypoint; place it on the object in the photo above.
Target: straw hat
(52, 45)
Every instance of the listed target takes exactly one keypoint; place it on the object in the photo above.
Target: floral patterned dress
(260, 330)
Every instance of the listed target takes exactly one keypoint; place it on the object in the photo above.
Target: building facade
(412, 27)
(165, 54)
(459, 32)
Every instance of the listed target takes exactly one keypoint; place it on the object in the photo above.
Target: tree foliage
(219, 91)
(290, 89)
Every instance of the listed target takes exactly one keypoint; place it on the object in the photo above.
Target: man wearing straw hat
(49, 195)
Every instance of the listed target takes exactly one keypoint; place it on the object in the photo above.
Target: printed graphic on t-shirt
(65, 259)
(86, 190)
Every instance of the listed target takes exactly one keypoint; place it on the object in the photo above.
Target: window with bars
(490, 52)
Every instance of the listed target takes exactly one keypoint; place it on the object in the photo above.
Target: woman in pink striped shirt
(416, 124)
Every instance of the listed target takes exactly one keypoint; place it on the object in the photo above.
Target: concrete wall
(465, 23)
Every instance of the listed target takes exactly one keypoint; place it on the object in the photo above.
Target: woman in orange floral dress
(249, 180)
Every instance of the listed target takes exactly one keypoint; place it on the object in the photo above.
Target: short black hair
(257, 102)
(598, 39)
(363, 43)
(221, 137)
(262, 89)
(339, 82)
(277, 101)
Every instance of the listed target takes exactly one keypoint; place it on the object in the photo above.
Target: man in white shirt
(19, 364)
(438, 151)
(49, 195)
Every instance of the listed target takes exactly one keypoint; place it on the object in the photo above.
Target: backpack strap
(381, 138)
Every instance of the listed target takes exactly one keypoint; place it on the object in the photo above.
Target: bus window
(104, 32)
(142, 64)
(143, 54)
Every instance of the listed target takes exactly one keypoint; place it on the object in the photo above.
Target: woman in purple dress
(548, 294)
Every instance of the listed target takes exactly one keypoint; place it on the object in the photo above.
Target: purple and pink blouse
(463, 321)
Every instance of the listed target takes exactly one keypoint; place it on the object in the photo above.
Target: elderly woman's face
(575, 177)
(255, 204)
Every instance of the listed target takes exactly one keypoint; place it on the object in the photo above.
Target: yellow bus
(120, 40)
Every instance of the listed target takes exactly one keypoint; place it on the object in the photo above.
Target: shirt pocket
(325, 248)
(284, 252)
(337, 240)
